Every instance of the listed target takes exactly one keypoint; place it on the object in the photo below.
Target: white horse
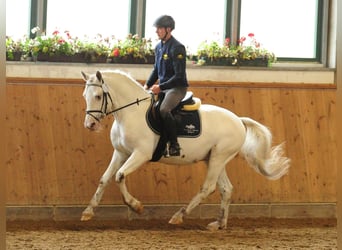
(223, 136)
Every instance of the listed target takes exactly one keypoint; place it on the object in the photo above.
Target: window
(17, 19)
(292, 29)
(88, 17)
(196, 21)
(286, 27)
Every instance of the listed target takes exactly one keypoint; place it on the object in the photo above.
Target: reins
(104, 104)
(130, 104)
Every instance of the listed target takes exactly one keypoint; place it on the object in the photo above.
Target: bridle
(104, 105)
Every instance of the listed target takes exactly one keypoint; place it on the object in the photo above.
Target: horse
(223, 136)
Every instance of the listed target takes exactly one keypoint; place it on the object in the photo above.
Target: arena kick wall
(54, 163)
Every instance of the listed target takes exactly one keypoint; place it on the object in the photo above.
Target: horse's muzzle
(91, 123)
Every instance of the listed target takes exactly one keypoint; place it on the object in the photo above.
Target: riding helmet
(165, 21)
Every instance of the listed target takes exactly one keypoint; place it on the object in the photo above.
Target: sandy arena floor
(156, 234)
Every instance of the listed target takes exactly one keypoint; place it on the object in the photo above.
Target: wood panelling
(53, 160)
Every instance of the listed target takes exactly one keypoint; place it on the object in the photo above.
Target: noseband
(104, 105)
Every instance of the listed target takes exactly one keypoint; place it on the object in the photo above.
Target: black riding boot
(171, 130)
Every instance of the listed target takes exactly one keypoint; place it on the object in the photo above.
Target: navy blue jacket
(170, 65)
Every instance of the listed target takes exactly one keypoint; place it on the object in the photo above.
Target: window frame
(38, 16)
(233, 8)
(232, 24)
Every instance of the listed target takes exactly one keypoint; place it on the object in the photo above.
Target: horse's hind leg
(116, 162)
(226, 189)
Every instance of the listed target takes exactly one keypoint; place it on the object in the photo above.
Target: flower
(55, 44)
(90, 48)
(247, 48)
(133, 46)
(116, 52)
(35, 30)
(18, 47)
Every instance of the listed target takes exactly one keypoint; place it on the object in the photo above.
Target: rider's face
(162, 31)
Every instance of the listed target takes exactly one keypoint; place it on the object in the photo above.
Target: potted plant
(133, 49)
(252, 54)
(15, 48)
(56, 47)
(95, 50)
(247, 52)
(62, 47)
(215, 54)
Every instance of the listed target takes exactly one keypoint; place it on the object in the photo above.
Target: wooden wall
(53, 160)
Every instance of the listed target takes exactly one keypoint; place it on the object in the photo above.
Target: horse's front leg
(136, 160)
(115, 163)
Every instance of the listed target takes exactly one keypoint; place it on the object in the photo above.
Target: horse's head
(96, 96)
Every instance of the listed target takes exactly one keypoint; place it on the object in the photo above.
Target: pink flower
(68, 34)
(242, 39)
(55, 33)
(251, 35)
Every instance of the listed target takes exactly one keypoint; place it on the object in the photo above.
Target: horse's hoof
(86, 216)
(214, 226)
(176, 220)
(139, 208)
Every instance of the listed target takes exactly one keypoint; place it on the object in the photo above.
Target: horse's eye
(98, 97)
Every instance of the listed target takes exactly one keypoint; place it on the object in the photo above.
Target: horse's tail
(259, 153)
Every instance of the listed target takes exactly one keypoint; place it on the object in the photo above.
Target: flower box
(76, 58)
(133, 60)
(14, 56)
(62, 47)
(92, 58)
(257, 62)
(245, 53)
(221, 61)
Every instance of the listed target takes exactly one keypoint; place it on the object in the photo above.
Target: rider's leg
(172, 98)
(171, 130)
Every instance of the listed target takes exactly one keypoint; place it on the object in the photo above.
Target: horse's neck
(124, 91)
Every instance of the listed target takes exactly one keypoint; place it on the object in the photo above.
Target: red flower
(55, 33)
(251, 35)
(227, 40)
(68, 34)
(242, 39)
(116, 52)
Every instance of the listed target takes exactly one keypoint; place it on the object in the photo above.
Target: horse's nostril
(90, 125)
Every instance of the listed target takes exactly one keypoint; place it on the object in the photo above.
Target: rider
(170, 69)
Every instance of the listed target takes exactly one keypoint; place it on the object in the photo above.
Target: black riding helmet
(165, 21)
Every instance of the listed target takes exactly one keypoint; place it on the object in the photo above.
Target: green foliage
(133, 46)
(14, 46)
(59, 43)
(245, 49)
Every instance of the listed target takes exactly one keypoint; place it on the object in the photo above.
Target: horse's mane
(120, 73)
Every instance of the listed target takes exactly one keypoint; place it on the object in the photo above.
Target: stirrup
(172, 150)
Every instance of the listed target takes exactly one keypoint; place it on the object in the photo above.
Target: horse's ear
(99, 76)
(85, 76)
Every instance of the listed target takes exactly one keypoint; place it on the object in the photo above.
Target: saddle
(187, 119)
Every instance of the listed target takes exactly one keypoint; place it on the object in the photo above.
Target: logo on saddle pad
(191, 129)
